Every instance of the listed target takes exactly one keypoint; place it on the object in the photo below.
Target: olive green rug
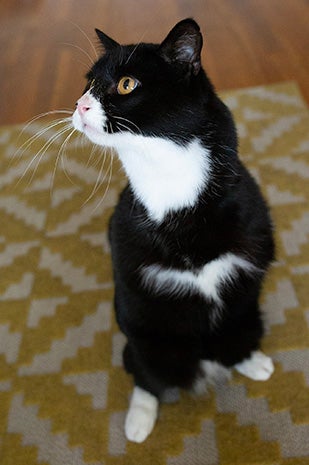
(63, 391)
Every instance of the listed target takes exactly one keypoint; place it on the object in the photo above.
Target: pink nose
(83, 104)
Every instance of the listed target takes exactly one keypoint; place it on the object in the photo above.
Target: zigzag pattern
(276, 426)
(81, 336)
(52, 448)
(63, 390)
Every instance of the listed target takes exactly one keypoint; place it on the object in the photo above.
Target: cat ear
(183, 45)
(108, 43)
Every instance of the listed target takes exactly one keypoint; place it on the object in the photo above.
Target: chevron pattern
(63, 390)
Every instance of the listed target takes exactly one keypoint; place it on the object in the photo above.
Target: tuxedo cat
(191, 236)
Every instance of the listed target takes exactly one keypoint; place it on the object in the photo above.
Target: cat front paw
(139, 424)
(258, 367)
(141, 416)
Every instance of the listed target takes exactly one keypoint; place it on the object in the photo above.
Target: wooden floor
(45, 51)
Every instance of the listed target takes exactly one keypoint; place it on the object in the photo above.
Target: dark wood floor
(44, 48)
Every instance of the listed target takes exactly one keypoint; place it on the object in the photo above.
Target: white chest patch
(207, 281)
(165, 176)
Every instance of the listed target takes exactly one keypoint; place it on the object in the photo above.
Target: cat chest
(208, 281)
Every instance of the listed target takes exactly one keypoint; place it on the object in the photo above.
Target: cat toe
(258, 367)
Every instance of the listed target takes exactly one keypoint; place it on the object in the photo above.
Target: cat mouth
(88, 129)
(85, 126)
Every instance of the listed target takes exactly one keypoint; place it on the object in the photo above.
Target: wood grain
(45, 51)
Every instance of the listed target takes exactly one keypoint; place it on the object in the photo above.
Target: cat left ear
(108, 43)
(183, 45)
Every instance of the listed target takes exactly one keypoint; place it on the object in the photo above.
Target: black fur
(168, 336)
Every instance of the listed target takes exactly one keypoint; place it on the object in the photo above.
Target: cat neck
(164, 175)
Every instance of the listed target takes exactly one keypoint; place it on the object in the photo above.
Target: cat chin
(101, 138)
(95, 135)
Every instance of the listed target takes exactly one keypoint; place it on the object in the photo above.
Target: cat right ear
(183, 45)
(108, 43)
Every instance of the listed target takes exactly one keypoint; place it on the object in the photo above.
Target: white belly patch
(207, 281)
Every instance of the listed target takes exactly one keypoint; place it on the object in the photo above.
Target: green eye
(126, 85)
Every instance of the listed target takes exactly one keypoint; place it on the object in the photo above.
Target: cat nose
(82, 108)
(83, 104)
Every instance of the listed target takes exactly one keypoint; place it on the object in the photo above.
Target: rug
(63, 390)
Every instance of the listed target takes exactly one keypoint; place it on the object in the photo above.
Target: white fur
(142, 414)
(165, 176)
(206, 281)
(258, 367)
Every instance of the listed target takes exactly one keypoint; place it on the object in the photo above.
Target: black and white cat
(191, 236)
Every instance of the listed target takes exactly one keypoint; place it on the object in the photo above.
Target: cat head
(144, 89)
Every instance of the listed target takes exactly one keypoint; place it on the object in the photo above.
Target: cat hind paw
(258, 367)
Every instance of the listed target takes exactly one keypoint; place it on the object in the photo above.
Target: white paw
(141, 416)
(139, 424)
(258, 367)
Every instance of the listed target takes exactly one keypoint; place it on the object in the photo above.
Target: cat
(191, 236)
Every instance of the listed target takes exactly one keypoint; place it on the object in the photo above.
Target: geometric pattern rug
(63, 390)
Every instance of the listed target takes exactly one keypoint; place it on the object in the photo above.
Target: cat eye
(126, 85)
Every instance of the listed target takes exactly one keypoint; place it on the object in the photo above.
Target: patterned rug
(63, 391)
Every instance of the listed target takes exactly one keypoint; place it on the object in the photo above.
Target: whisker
(99, 181)
(45, 129)
(128, 121)
(47, 113)
(110, 171)
(46, 147)
(49, 126)
(77, 60)
(92, 153)
(62, 150)
(125, 127)
(135, 48)
(59, 156)
(41, 153)
(64, 158)
(81, 50)
(42, 115)
(87, 37)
